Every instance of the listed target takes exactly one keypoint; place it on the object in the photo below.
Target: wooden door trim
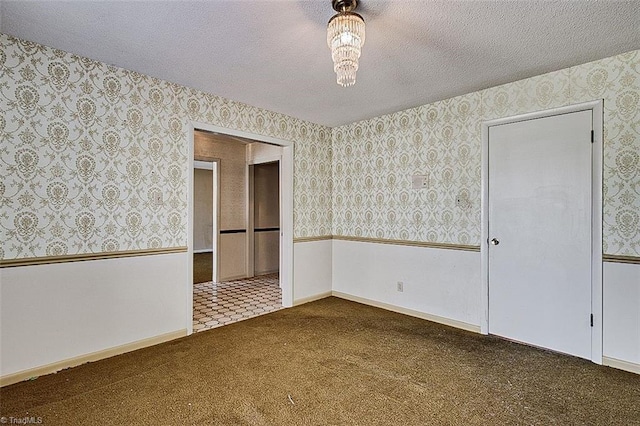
(596, 215)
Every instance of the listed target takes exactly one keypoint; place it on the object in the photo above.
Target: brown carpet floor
(202, 267)
(332, 362)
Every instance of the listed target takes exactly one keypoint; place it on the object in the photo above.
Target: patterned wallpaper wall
(93, 158)
(374, 159)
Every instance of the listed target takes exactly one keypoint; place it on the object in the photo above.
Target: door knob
(494, 241)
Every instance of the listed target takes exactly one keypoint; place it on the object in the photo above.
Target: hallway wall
(233, 200)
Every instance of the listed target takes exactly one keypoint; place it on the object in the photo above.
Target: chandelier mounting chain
(344, 5)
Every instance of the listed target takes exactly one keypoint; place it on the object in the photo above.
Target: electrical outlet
(400, 286)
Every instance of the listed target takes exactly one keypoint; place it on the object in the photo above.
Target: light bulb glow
(345, 37)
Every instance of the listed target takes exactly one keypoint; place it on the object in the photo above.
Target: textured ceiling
(273, 54)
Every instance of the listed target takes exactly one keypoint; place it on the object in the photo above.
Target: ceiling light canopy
(345, 37)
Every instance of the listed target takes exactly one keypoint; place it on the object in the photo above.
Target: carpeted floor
(332, 362)
(202, 267)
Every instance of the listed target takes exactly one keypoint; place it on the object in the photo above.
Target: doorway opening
(264, 218)
(205, 221)
(248, 264)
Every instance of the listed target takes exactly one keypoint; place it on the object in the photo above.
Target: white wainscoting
(311, 270)
(69, 312)
(53, 313)
(621, 305)
(439, 284)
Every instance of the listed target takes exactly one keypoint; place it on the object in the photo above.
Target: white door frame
(286, 225)
(596, 215)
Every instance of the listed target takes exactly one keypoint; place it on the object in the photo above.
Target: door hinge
(592, 136)
(591, 320)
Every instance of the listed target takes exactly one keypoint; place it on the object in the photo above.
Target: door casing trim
(597, 109)
(286, 204)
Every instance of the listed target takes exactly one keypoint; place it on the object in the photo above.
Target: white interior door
(540, 226)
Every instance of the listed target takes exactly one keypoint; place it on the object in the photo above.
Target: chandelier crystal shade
(345, 37)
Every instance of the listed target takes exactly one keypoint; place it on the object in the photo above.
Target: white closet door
(539, 188)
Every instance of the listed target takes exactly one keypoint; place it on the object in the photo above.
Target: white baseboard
(632, 367)
(429, 317)
(232, 278)
(270, 271)
(203, 251)
(313, 298)
(10, 379)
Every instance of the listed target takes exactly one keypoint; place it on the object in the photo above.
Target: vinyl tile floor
(218, 304)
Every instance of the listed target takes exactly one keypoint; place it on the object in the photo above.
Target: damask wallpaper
(374, 159)
(94, 157)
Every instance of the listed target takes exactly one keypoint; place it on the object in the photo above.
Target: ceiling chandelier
(345, 37)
